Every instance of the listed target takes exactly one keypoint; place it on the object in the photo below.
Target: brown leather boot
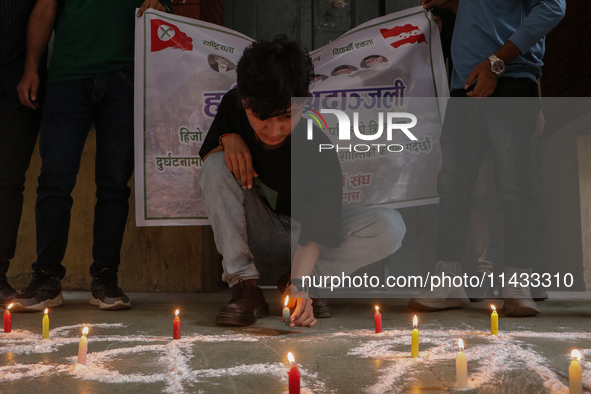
(247, 303)
(321, 308)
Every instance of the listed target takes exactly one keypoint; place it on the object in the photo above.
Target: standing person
(90, 82)
(495, 54)
(261, 199)
(19, 127)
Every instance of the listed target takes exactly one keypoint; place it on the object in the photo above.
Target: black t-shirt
(315, 176)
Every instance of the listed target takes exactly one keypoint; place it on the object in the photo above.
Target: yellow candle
(575, 379)
(45, 332)
(286, 314)
(494, 321)
(461, 368)
(83, 347)
(414, 347)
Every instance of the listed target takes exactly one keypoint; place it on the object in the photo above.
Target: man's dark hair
(271, 73)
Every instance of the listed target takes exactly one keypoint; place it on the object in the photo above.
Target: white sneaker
(443, 297)
(518, 300)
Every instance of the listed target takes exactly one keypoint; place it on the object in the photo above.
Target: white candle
(461, 368)
(83, 347)
(575, 379)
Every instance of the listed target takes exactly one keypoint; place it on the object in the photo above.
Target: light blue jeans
(248, 234)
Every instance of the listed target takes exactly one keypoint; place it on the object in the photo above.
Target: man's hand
(27, 89)
(155, 4)
(239, 159)
(487, 80)
(301, 304)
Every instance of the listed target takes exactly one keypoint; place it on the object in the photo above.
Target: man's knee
(390, 225)
(213, 169)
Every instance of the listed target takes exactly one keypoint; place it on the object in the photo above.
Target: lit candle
(45, 333)
(414, 347)
(378, 320)
(461, 368)
(286, 314)
(83, 347)
(7, 319)
(176, 326)
(494, 321)
(575, 379)
(294, 375)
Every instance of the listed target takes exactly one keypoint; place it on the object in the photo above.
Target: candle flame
(377, 309)
(85, 331)
(290, 357)
(576, 354)
(286, 301)
(493, 307)
(46, 310)
(461, 344)
(415, 322)
(9, 306)
(176, 313)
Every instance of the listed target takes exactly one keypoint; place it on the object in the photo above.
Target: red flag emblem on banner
(400, 35)
(166, 35)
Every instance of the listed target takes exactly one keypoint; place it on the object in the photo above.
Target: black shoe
(538, 294)
(321, 308)
(44, 291)
(106, 294)
(247, 303)
(7, 293)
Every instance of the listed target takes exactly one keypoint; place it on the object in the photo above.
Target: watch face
(498, 67)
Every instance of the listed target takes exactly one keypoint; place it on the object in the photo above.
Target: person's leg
(244, 229)
(18, 133)
(114, 165)
(463, 147)
(67, 119)
(368, 234)
(512, 123)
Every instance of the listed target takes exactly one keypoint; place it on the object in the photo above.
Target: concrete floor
(132, 351)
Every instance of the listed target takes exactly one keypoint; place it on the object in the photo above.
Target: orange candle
(378, 320)
(176, 326)
(7, 320)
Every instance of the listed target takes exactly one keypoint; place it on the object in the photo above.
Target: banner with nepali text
(183, 68)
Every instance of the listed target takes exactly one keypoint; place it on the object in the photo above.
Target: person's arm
(450, 4)
(155, 4)
(304, 261)
(39, 30)
(544, 16)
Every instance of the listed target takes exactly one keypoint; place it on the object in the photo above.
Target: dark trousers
(18, 133)
(71, 108)
(504, 125)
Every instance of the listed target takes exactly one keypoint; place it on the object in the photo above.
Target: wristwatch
(497, 66)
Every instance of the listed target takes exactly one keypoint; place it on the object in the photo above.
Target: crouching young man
(247, 180)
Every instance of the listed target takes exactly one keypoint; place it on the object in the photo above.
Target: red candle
(176, 326)
(7, 320)
(294, 375)
(378, 319)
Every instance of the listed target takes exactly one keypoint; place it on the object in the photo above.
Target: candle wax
(494, 323)
(575, 381)
(461, 371)
(294, 380)
(414, 348)
(286, 316)
(378, 321)
(45, 334)
(176, 327)
(7, 321)
(82, 349)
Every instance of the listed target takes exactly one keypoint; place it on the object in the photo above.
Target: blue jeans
(71, 108)
(504, 125)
